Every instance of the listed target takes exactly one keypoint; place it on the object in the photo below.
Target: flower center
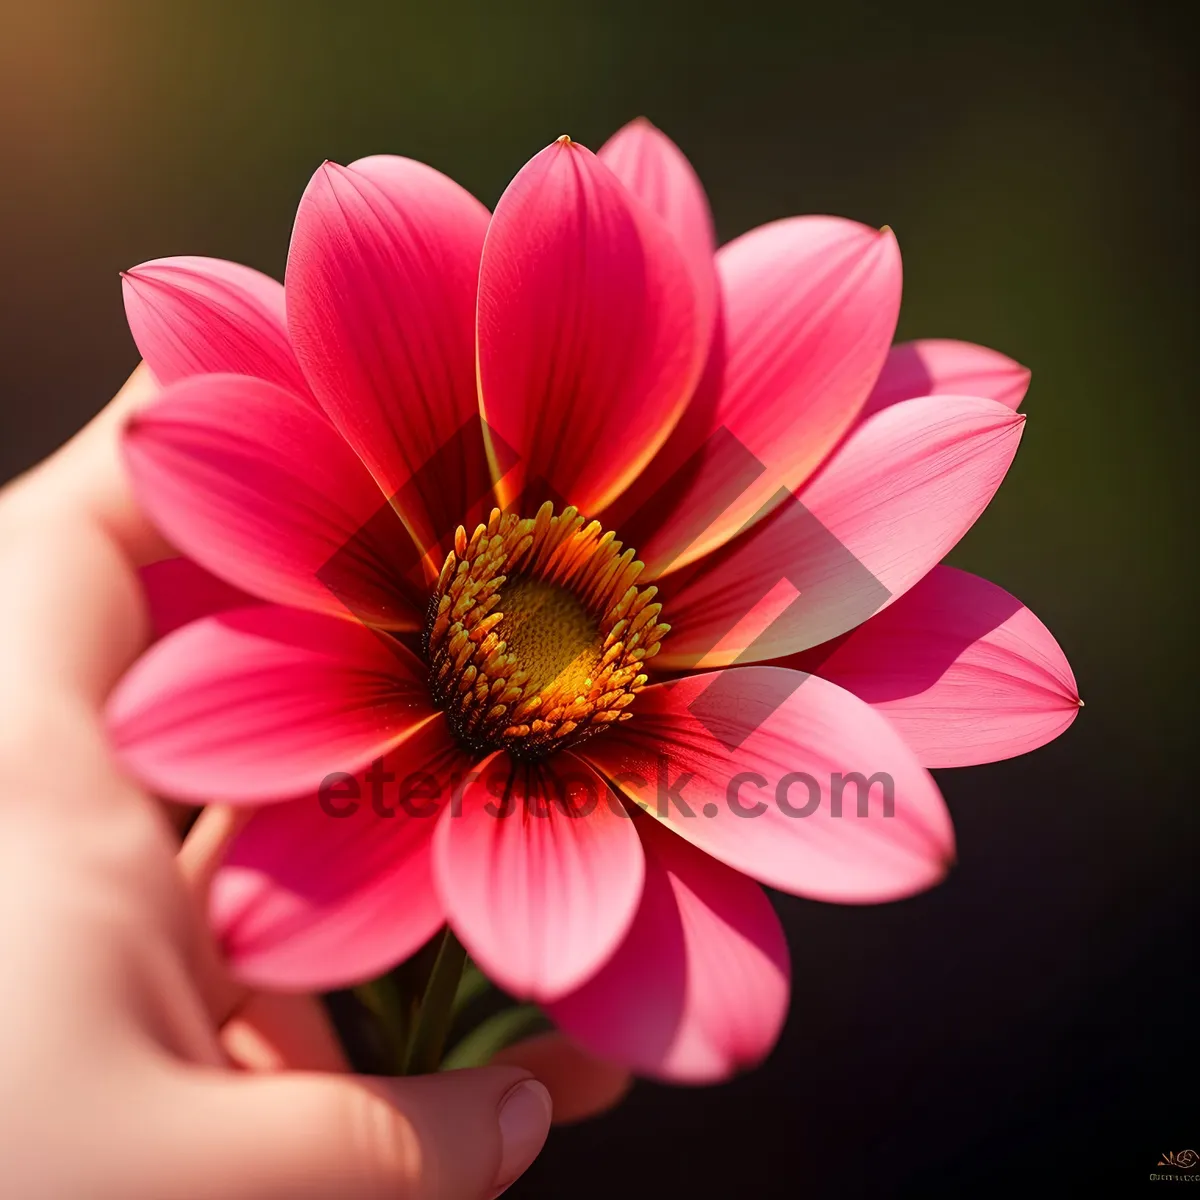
(537, 632)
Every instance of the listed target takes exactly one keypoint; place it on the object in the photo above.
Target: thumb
(459, 1135)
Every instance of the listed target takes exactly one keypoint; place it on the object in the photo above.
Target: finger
(460, 1135)
(260, 1031)
(86, 477)
(198, 859)
(275, 1032)
(70, 536)
(71, 612)
(580, 1086)
(205, 845)
(71, 620)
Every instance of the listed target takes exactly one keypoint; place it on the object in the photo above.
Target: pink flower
(790, 479)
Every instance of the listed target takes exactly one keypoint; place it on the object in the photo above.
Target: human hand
(134, 1067)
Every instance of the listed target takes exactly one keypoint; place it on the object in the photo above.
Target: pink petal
(263, 491)
(897, 495)
(939, 366)
(331, 890)
(381, 282)
(655, 170)
(203, 316)
(262, 704)
(540, 874)
(810, 306)
(178, 592)
(963, 670)
(699, 987)
(731, 746)
(587, 329)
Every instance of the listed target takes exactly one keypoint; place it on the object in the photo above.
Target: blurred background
(1032, 1023)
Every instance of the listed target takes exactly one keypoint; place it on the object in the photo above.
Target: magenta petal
(655, 170)
(891, 502)
(262, 704)
(203, 316)
(332, 890)
(263, 491)
(963, 670)
(587, 329)
(540, 873)
(810, 307)
(758, 756)
(178, 591)
(699, 987)
(381, 282)
(941, 367)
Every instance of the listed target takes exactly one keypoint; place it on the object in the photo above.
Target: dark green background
(1031, 1024)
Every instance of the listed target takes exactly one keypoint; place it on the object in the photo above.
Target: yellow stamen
(538, 633)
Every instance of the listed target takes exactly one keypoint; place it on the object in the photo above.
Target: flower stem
(428, 1038)
(503, 1029)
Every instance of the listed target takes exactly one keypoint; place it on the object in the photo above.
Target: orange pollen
(537, 634)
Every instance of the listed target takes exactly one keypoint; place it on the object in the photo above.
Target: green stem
(433, 1021)
(503, 1029)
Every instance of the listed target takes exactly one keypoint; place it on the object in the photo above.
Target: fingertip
(525, 1114)
(485, 1125)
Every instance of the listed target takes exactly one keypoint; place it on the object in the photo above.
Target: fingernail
(524, 1122)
